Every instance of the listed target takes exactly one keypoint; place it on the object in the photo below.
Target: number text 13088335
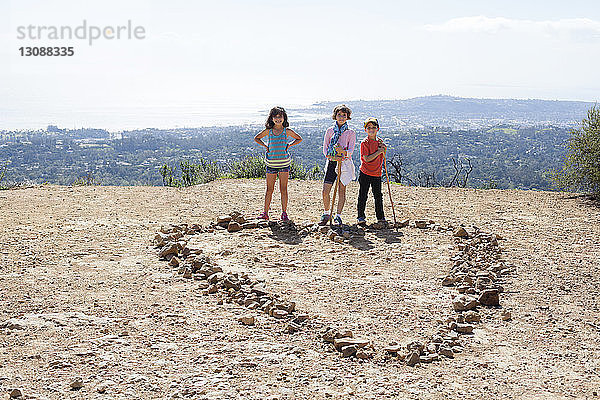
(47, 51)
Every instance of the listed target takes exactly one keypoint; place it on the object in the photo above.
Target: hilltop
(85, 295)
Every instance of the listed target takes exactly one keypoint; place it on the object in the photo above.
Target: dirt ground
(84, 295)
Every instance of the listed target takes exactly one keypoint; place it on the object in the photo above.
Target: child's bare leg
(326, 198)
(270, 188)
(342, 197)
(283, 182)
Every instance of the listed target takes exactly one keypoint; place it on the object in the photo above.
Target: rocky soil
(91, 309)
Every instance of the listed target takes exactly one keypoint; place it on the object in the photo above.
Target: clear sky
(233, 57)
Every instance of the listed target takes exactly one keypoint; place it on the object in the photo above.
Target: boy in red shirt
(372, 151)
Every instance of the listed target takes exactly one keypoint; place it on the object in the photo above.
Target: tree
(581, 167)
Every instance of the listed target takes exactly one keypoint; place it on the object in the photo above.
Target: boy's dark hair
(274, 112)
(341, 107)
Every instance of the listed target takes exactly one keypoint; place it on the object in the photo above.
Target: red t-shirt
(373, 168)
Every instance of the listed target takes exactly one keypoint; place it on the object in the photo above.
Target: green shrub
(581, 167)
(191, 173)
(297, 171)
(489, 183)
(250, 167)
(86, 180)
(247, 168)
(2, 175)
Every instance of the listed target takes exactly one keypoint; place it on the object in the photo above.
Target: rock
(464, 328)
(240, 219)
(77, 383)
(413, 359)
(223, 219)
(363, 354)
(461, 232)
(15, 394)
(250, 225)
(393, 349)
(292, 327)
(289, 306)
(166, 229)
(174, 262)
(212, 289)
(300, 318)
(490, 298)
(506, 316)
(259, 290)
(246, 319)
(421, 224)
(452, 336)
(216, 277)
(160, 239)
(346, 333)
(279, 314)
(403, 223)
(446, 352)
(415, 346)
(266, 307)
(429, 358)
(343, 342)
(472, 316)
(464, 303)
(203, 285)
(234, 227)
(231, 283)
(329, 335)
(187, 273)
(169, 248)
(448, 281)
(457, 349)
(349, 351)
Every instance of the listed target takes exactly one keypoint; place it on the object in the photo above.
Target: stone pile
(477, 273)
(477, 270)
(344, 342)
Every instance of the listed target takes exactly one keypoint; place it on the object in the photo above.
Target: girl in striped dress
(277, 157)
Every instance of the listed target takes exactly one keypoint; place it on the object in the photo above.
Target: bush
(248, 167)
(2, 175)
(191, 173)
(581, 167)
(87, 180)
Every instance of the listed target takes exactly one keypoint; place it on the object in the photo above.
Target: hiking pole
(337, 182)
(387, 178)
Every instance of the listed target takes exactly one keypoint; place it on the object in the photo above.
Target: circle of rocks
(478, 274)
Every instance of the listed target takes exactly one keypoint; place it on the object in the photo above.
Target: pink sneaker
(284, 216)
(264, 216)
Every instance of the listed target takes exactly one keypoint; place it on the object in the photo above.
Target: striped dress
(277, 156)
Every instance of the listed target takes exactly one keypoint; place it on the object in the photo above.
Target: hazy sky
(223, 56)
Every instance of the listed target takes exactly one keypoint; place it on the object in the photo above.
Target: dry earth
(84, 295)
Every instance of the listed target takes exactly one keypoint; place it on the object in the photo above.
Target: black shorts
(331, 173)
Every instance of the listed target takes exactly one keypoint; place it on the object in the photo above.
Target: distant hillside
(463, 113)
